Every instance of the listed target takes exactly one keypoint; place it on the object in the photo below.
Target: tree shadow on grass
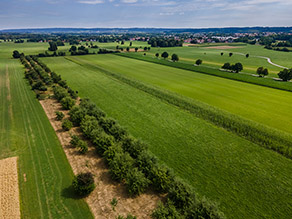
(70, 193)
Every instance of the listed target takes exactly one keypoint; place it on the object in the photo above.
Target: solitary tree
(247, 55)
(157, 55)
(230, 54)
(164, 55)
(262, 72)
(53, 46)
(286, 74)
(199, 62)
(174, 57)
(128, 49)
(131, 43)
(136, 49)
(222, 53)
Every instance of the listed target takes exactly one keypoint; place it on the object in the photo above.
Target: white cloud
(91, 2)
(129, 1)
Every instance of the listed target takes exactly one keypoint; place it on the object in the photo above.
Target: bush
(133, 147)
(59, 115)
(74, 140)
(167, 210)
(67, 125)
(199, 62)
(83, 184)
(82, 147)
(88, 124)
(119, 166)
(136, 182)
(67, 103)
(162, 178)
(60, 93)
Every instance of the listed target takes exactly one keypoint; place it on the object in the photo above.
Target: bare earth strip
(99, 200)
(9, 191)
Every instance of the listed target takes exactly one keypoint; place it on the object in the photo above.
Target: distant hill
(152, 30)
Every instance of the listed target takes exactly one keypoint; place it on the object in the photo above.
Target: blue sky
(144, 13)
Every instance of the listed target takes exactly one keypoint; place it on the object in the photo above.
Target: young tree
(157, 55)
(285, 75)
(59, 115)
(67, 125)
(164, 55)
(199, 62)
(222, 53)
(262, 72)
(230, 54)
(83, 184)
(174, 57)
(247, 55)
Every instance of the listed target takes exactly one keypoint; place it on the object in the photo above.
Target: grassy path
(44, 172)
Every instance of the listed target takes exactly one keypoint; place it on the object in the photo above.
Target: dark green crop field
(247, 180)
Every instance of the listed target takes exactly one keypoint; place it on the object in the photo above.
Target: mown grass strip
(266, 82)
(259, 134)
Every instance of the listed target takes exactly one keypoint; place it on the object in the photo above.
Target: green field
(45, 175)
(247, 180)
(264, 105)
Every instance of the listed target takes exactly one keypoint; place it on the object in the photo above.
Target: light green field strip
(44, 172)
(264, 105)
(248, 181)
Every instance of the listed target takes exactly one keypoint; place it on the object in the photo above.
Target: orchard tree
(286, 74)
(174, 57)
(199, 62)
(164, 55)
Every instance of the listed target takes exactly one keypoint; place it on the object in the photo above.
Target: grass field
(221, 166)
(44, 172)
(267, 106)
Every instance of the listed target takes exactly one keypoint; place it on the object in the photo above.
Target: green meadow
(45, 175)
(247, 180)
(264, 105)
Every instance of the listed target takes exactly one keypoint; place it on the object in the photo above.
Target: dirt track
(9, 191)
(99, 200)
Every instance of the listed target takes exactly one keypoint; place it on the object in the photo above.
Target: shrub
(120, 165)
(67, 103)
(67, 125)
(59, 115)
(82, 147)
(74, 140)
(136, 182)
(146, 162)
(167, 210)
(88, 124)
(111, 152)
(91, 109)
(77, 114)
(199, 62)
(60, 93)
(83, 184)
(102, 142)
(133, 147)
(161, 177)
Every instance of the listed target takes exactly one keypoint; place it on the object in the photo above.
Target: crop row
(266, 82)
(130, 162)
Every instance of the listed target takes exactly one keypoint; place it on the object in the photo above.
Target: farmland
(240, 175)
(25, 132)
(264, 105)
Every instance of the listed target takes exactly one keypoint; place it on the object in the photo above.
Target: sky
(144, 13)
